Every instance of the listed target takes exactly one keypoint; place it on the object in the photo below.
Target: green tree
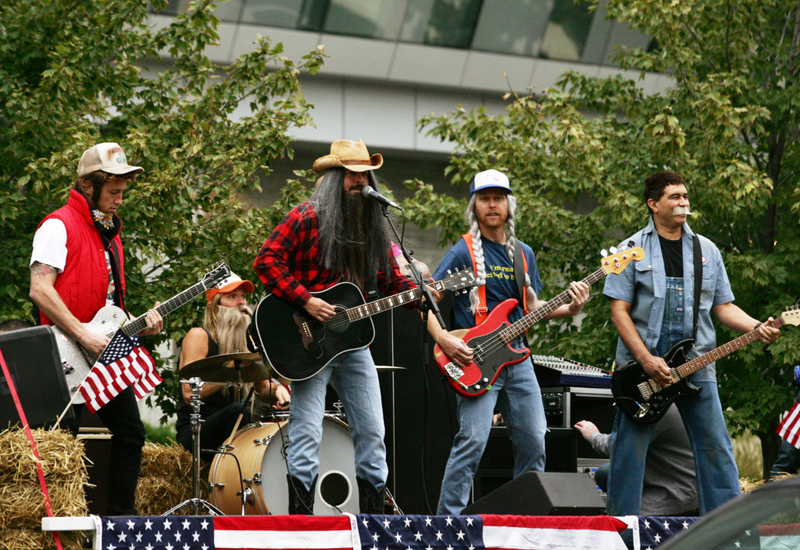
(75, 73)
(728, 124)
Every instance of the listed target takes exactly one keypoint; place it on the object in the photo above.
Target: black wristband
(757, 325)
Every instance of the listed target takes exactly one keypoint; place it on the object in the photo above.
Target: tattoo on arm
(39, 269)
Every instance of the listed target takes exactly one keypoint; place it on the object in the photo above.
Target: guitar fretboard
(373, 308)
(521, 326)
(140, 323)
(718, 353)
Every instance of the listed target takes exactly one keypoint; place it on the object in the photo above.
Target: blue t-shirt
(501, 284)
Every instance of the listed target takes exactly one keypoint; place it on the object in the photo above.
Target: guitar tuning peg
(604, 253)
(613, 249)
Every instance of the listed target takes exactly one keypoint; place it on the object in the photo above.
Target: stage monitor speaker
(542, 494)
(35, 366)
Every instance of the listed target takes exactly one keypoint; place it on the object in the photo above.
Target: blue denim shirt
(643, 285)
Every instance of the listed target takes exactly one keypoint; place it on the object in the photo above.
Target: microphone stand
(429, 303)
(426, 307)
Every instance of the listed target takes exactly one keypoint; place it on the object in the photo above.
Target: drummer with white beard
(223, 332)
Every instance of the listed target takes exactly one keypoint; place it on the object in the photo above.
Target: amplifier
(35, 367)
(564, 406)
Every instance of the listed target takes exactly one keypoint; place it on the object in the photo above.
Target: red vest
(482, 311)
(83, 285)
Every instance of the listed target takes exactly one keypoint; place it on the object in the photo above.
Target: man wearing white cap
(489, 247)
(78, 267)
(336, 236)
(224, 331)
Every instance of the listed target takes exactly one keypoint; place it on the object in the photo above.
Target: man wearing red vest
(489, 248)
(77, 267)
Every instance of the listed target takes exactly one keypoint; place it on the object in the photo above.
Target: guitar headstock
(460, 280)
(217, 274)
(791, 316)
(619, 260)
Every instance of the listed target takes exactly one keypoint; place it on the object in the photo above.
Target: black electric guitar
(491, 340)
(299, 346)
(645, 401)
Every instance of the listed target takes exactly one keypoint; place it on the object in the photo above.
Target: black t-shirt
(672, 251)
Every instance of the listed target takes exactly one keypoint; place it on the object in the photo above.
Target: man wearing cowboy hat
(335, 236)
(224, 331)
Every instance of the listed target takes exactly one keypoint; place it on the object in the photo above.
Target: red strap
(24, 420)
(483, 311)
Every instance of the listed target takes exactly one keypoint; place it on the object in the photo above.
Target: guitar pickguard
(76, 361)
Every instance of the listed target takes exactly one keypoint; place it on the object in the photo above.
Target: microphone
(370, 193)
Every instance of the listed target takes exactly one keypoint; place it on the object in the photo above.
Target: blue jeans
(517, 396)
(355, 379)
(717, 474)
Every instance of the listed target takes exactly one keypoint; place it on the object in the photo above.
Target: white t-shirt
(50, 244)
(50, 248)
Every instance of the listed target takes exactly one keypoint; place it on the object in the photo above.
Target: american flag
(789, 428)
(124, 362)
(656, 530)
(360, 532)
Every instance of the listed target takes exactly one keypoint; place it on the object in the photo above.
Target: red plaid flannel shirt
(289, 261)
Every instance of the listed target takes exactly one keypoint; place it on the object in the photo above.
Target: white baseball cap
(108, 157)
(488, 179)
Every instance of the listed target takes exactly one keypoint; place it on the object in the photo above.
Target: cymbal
(388, 367)
(228, 368)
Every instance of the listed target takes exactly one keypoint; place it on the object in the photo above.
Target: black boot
(301, 501)
(370, 499)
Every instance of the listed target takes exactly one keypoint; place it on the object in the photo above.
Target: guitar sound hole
(340, 323)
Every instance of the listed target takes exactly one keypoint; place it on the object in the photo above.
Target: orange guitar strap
(483, 311)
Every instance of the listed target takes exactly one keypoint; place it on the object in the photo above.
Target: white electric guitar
(77, 362)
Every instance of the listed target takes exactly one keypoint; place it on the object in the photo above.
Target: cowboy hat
(352, 155)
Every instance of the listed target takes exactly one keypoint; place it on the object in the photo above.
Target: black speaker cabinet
(497, 464)
(35, 367)
(543, 494)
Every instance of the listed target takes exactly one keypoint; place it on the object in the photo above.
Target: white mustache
(682, 211)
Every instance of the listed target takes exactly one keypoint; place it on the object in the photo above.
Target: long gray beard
(231, 337)
(232, 324)
(354, 249)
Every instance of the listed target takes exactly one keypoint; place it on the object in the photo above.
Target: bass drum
(260, 449)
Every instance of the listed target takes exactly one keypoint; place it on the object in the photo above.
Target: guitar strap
(519, 275)
(698, 281)
(115, 271)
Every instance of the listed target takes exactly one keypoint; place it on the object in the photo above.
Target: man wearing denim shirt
(652, 308)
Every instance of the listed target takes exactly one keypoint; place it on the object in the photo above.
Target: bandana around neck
(106, 220)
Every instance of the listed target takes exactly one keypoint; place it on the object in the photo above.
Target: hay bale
(61, 455)
(165, 460)
(165, 479)
(21, 499)
(29, 539)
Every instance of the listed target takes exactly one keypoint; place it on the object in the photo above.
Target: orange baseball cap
(229, 284)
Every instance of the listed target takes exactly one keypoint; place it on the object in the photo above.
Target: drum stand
(196, 502)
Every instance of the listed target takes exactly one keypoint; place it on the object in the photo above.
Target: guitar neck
(718, 353)
(521, 326)
(137, 325)
(373, 308)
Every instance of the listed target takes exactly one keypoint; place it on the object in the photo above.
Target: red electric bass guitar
(491, 340)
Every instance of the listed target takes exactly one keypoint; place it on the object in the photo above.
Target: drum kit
(248, 473)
